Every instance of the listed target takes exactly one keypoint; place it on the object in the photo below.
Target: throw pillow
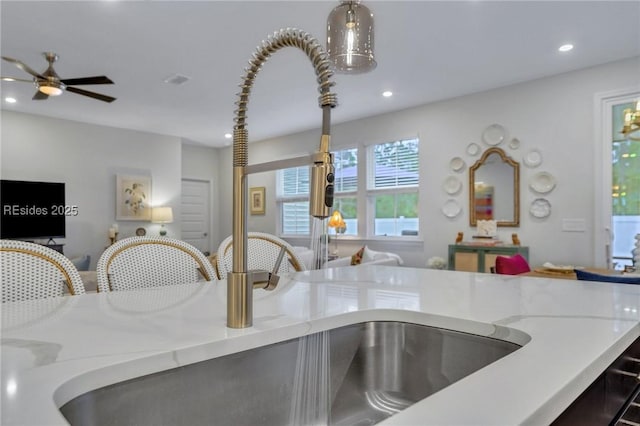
(511, 265)
(356, 259)
(82, 263)
(369, 255)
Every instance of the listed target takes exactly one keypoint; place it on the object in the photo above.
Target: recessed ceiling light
(10, 100)
(565, 47)
(177, 79)
(387, 93)
(228, 135)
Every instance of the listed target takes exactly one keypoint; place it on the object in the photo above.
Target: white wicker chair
(262, 252)
(142, 262)
(33, 271)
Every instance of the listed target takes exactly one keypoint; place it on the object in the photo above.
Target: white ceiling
(426, 51)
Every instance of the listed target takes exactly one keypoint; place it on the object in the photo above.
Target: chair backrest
(592, 276)
(262, 253)
(33, 271)
(141, 262)
(511, 265)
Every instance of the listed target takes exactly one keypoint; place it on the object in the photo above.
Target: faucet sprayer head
(322, 177)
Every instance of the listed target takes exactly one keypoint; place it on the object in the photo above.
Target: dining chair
(262, 252)
(142, 262)
(592, 276)
(511, 265)
(33, 271)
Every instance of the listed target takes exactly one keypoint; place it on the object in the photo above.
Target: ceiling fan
(50, 84)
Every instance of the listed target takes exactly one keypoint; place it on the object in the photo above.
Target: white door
(617, 206)
(195, 214)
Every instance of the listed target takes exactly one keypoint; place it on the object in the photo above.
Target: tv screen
(32, 210)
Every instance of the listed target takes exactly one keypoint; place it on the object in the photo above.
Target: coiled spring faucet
(240, 281)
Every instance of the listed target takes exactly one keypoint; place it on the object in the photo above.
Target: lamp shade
(350, 38)
(162, 215)
(336, 221)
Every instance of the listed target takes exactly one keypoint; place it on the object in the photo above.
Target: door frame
(603, 208)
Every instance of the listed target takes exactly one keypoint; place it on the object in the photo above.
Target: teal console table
(480, 258)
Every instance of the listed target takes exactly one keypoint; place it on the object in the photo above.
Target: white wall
(554, 115)
(87, 158)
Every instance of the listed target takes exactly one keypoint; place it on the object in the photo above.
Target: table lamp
(337, 223)
(162, 215)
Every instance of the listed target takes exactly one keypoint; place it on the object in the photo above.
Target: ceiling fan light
(350, 40)
(51, 88)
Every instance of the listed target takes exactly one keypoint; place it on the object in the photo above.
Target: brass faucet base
(239, 300)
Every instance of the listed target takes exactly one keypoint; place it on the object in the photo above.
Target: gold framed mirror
(494, 189)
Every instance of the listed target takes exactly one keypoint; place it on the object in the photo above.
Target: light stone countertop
(56, 349)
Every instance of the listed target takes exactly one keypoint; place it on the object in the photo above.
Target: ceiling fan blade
(24, 67)
(99, 79)
(93, 95)
(39, 96)
(15, 79)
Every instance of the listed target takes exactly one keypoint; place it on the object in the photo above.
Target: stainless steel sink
(353, 375)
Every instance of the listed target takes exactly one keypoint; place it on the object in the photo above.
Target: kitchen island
(570, 331)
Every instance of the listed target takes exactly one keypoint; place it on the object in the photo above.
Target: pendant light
(631, 117)
(350, 38)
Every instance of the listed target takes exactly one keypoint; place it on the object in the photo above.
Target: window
(392, 187)
(391, 196)
(293, 197)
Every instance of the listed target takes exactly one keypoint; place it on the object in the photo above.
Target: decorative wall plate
(493, 135)
(141, 232)
(533, 158)
(473, 149)
(456, 164)
(452, 185)
(540, 208)
(542, 182)
(515, 143)
(451, 208)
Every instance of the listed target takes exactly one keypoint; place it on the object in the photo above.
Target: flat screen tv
(32, 210)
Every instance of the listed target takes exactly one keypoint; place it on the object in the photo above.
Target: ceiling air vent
(177, 79)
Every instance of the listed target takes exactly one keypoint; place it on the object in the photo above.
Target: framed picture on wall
(133, 197)
(256, 200)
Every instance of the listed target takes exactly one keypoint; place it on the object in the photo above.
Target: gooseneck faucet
(240, 281)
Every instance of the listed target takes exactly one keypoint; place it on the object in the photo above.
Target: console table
(54, 246)
(480, 258)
